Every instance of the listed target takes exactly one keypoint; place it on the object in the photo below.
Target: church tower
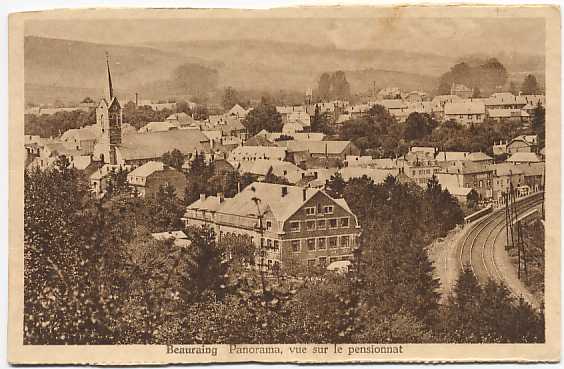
(109, 117)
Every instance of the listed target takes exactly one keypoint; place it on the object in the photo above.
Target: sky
(443, 36)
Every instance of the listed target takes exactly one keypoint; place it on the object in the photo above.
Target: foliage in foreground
(94, 275)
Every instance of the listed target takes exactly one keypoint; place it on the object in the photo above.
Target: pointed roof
(111, 89)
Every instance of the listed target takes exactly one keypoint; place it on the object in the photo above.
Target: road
(482, 249)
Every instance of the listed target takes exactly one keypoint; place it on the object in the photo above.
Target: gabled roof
(531, 169)
(316, 147)
(478, 156)
(89, 132)
(155, 144)
(147, 169)
(158, 127)
(524, 157)
(392, 103)
(505, 98)
(467, 167)
(237, 110)
(466, 107)
(257, 152)
(528, 139)
(458, 191)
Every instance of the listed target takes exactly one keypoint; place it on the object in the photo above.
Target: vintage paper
(373, 26)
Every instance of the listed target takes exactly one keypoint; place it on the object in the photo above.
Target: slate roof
(466, 107)
(524, 157)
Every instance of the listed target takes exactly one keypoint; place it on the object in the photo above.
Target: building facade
(289, 224)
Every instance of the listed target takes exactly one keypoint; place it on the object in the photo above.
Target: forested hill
(55, 66)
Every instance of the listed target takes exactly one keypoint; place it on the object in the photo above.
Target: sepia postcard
(293, 185)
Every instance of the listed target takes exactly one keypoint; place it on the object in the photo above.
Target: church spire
(109, 76)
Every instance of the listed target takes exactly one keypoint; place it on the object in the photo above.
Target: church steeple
(111, 89)
(109, 118)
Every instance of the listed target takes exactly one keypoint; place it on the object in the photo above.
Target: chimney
(284, 191)
(136, 99)
(202, 196)
(304, 194)
(220, 197)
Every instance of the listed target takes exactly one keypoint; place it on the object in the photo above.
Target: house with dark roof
(147, 179)
(287, 224)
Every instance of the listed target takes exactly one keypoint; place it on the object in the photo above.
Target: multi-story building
(470, 175)
(505, 176)
(465, 113)
(292, 225)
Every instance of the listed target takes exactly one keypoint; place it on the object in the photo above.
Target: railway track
(477, 249)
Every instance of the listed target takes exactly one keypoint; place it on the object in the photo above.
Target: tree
(165, 211)
(230, 98)
(538, 124)
(117, 183)
(340, 86)
(320, 122)
(324, 86)
(262, 117)
(174, 159)
(207, 266)
(418, 125)
(182, 106)
(335, 187)
(530, 85)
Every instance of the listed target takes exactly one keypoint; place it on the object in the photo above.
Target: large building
(294, 225)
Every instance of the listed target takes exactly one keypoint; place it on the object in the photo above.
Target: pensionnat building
(293, 224)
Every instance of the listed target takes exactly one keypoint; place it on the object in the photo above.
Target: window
(268, 224)
(311, 244)
(269, 243)
(311, 263)
(310, 225)
(321, 245)
(294, 226)
(332, 242)
(322, 260)
(310, 211)
(276, 245)
(321, 224)
(328, 209)
(345, 222)
(344, 241)
(295, 245)
(333, 223)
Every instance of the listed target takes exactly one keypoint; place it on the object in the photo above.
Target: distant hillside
(68, 69)
(52, 65)
(367, 79)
